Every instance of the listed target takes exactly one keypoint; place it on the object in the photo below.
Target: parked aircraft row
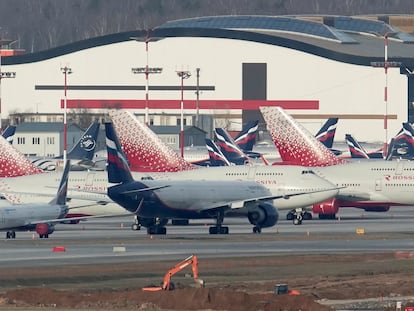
(166, 186)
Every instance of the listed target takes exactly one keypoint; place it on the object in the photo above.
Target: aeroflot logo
(399, 177)
(87, 143)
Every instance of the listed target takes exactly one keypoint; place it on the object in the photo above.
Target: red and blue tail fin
(296, 145)
(144, 149)
(357, 151)
(118, 168)
(247, 136)
(9, 132)
(229, 148)
(355, 148)
(404, 142)
(326, 134)
(216, 156)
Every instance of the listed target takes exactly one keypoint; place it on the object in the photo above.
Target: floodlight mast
(386, 64)
(146, 70)
(66, 71)
(183, 74)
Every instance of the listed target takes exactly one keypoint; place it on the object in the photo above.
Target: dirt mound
(179, 299)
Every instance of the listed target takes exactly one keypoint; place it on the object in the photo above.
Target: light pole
(198, 97)
(4, 75)
(183, 74)
(386, 64)
(66, 71)
(147, 71)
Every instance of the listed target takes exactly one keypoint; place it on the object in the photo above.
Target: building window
(36, 141)
(50, 140)
(21, 140)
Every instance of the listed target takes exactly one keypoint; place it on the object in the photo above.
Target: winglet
(9, 132)
(295, 144)
(144, 149)
(216, 156)
(229, 148)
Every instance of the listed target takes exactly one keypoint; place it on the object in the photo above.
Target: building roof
(354, 40)
(45, 127)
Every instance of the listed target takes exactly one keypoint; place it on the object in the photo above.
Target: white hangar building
(315, 67)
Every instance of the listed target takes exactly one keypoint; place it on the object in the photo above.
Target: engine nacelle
(328, 207)
(265, 215)
(44, 229)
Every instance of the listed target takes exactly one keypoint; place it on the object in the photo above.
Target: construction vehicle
(168, 285)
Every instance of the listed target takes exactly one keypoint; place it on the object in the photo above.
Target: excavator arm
(189, 261)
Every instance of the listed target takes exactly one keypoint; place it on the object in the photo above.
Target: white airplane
(278, 180)
(370, 185)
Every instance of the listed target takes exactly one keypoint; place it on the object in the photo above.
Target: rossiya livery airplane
(370, 185)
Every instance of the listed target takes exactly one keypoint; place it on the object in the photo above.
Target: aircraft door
(378, 185)
(400, 167)
(252, 172)
(89, 179)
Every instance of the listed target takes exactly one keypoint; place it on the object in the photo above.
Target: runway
(112, 240)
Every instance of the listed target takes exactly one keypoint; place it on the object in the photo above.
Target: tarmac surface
(374, 240)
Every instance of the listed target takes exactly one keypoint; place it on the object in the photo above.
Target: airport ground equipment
(168, 285)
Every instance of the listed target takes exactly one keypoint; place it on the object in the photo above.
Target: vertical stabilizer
(143, 148)
(355, 148)
(229, 148)
(13, 163)
(84, 149)
(9, 132)
(118, 169)
(247, 136)
(326, 134)
(295, 144)
(216, 156)
(62, 191)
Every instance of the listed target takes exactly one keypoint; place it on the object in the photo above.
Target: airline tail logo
(87, 143)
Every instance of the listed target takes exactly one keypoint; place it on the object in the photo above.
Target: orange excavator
(168, 285)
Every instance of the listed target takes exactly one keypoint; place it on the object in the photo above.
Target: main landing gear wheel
(161, 230)
(135, 227)
(10, 235)
(219, 229)
(257, 229)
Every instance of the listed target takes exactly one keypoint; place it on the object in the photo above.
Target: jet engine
(44, 230)
(262, 216)
(327, 209)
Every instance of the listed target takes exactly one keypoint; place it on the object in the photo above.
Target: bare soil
(230, 284)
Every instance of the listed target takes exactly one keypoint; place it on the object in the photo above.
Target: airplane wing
(246, 202)
(352, 196)
(59, 220)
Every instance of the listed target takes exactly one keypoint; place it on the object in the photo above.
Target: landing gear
(219, 229)
(298, 215)
(257, 229)
(136, 225)
(10, 235)
(157, 229)
(154, 225)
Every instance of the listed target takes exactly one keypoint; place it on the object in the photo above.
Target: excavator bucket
(199, 282)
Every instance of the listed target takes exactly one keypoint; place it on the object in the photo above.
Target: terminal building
(223, 68)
